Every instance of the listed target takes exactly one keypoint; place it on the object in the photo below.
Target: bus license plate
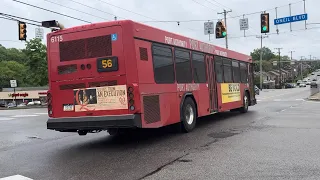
(68, 107)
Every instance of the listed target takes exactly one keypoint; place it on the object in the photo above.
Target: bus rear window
(85, 48)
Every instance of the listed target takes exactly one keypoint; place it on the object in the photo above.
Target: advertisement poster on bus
(230, 92)
(101, 98)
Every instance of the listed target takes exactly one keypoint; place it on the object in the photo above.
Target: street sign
(292, 63)
(274, 63)
(208, 28)
(39, 33)
(13, 83)
(290, 19)
(244, 24)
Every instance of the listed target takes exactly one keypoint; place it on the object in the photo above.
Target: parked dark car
(288, 85)
(2, 104)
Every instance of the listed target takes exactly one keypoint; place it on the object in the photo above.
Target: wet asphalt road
(278, 138)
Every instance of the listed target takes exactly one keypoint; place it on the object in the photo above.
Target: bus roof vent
(143, 54)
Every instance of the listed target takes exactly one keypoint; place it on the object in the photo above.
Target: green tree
(12, 54)
(36, 62)
(267, 54)
(12, 70)
(266, 66)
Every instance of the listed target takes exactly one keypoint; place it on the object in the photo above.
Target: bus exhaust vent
(72, 86)
(67, 69)
(151, 109)
(103, 83)
(85, 48)
(143, 54)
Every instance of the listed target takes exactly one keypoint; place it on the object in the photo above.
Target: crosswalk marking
(15, 117)
(41, 113)
(278, 100)
(26, 115)
(5, 119)
(16, 177)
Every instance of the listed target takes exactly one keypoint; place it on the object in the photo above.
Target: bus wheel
(82, 132)
(188, 115)
(113, 131)
(245, 107)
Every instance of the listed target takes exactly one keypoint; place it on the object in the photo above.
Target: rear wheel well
(194, 100)
(249, 97)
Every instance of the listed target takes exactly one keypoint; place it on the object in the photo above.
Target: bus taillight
(131, 98)
(49, 101)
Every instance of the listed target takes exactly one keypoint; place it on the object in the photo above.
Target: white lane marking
(41, 113)
(16, 177)
(5, 119)
(300, 100)
(26, 115)
(258, 100)
(277, 100)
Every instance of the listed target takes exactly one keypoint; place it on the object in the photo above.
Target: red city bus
(124, 74)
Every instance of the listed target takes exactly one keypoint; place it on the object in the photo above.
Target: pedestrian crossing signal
(22, 31)
(265, 23)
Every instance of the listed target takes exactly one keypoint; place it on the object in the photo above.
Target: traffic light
(221, 30)
(22, 31)
(265, 23)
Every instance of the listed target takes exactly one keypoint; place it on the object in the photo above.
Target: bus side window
(244, 72)
(183, 66)
(227, 70)
(219, 69)
(236, 71)
(163, 64)
(199, 68)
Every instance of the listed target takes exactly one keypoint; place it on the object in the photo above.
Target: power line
(14, 19)
(12, 16)
(204, 6)
(221, 4)
(125, 9)
(211, 3)
(76, 10)
(285, 32)
(51, 11)
(155, 20)
(231, 17)
(94, 8)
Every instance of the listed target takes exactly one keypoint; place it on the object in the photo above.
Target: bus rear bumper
(94, 123)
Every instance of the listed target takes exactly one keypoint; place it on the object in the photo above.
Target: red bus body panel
(133, 71)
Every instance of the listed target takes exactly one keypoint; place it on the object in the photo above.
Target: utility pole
(279, 53)
(292, 69)
(301, 67)
(261, 53)
(225, 12)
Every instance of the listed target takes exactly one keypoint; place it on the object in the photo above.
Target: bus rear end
(89, 90)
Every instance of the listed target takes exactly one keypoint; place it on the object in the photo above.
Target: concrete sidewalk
(315, 97)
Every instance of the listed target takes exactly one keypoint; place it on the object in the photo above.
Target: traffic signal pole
(225, 12)
(279, 52)
(260, 62)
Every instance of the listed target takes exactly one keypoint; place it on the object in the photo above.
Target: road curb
(313, 99)
(16, 108)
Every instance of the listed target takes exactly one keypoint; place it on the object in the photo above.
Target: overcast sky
(302, 42)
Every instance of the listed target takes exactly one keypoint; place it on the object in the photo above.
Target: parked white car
(302, 85)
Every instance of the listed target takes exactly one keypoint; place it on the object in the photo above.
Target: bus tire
(188, 115)
(245, 100)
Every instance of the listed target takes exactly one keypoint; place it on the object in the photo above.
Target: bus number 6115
(56, 39)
